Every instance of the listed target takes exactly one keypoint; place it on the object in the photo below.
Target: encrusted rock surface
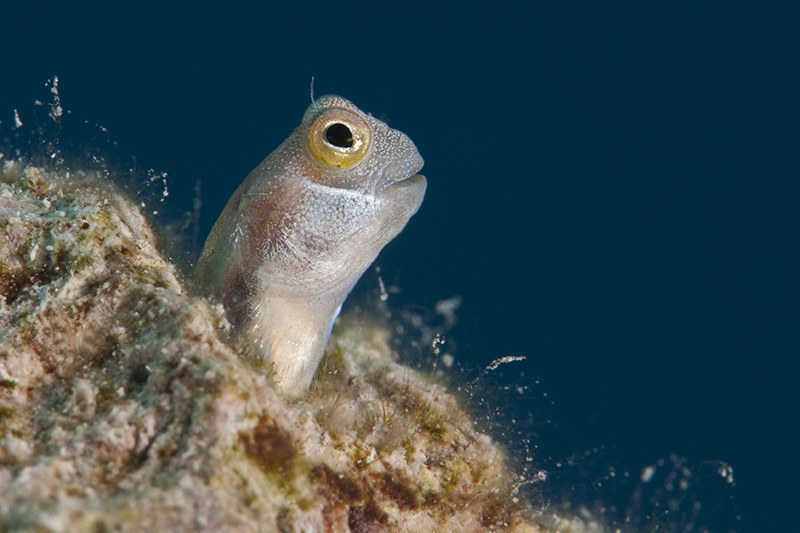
(125, 407)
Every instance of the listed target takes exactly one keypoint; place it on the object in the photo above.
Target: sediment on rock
(124, 406)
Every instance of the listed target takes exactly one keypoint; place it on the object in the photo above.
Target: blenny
(301, 229)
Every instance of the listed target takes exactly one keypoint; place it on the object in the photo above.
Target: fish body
(301, 229)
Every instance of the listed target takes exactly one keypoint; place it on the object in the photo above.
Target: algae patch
(125, 407)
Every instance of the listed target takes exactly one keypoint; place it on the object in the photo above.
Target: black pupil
(339, 135)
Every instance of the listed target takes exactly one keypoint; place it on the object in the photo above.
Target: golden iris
(339, 138)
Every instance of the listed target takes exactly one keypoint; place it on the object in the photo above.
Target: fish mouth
(410, 181)
(411, 175)
(401, 174)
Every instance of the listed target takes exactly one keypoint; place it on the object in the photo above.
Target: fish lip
(412, 176)
(408, 181)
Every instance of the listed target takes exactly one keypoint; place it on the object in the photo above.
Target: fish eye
(339, 138)
(339, 135)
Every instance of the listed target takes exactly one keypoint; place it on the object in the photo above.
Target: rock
(124, 406)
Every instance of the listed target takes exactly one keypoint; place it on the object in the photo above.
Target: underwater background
(612, 193)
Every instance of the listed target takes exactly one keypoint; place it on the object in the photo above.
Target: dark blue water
(613, 192)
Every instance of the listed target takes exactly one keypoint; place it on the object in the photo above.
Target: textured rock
(124, 406)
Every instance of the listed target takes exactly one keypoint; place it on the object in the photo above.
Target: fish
(302, 228)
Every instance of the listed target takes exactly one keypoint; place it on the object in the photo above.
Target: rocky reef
(125, 406)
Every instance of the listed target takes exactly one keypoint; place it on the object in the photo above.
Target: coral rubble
(125, 407)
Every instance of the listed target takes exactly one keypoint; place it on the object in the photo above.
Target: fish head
(320, 208)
